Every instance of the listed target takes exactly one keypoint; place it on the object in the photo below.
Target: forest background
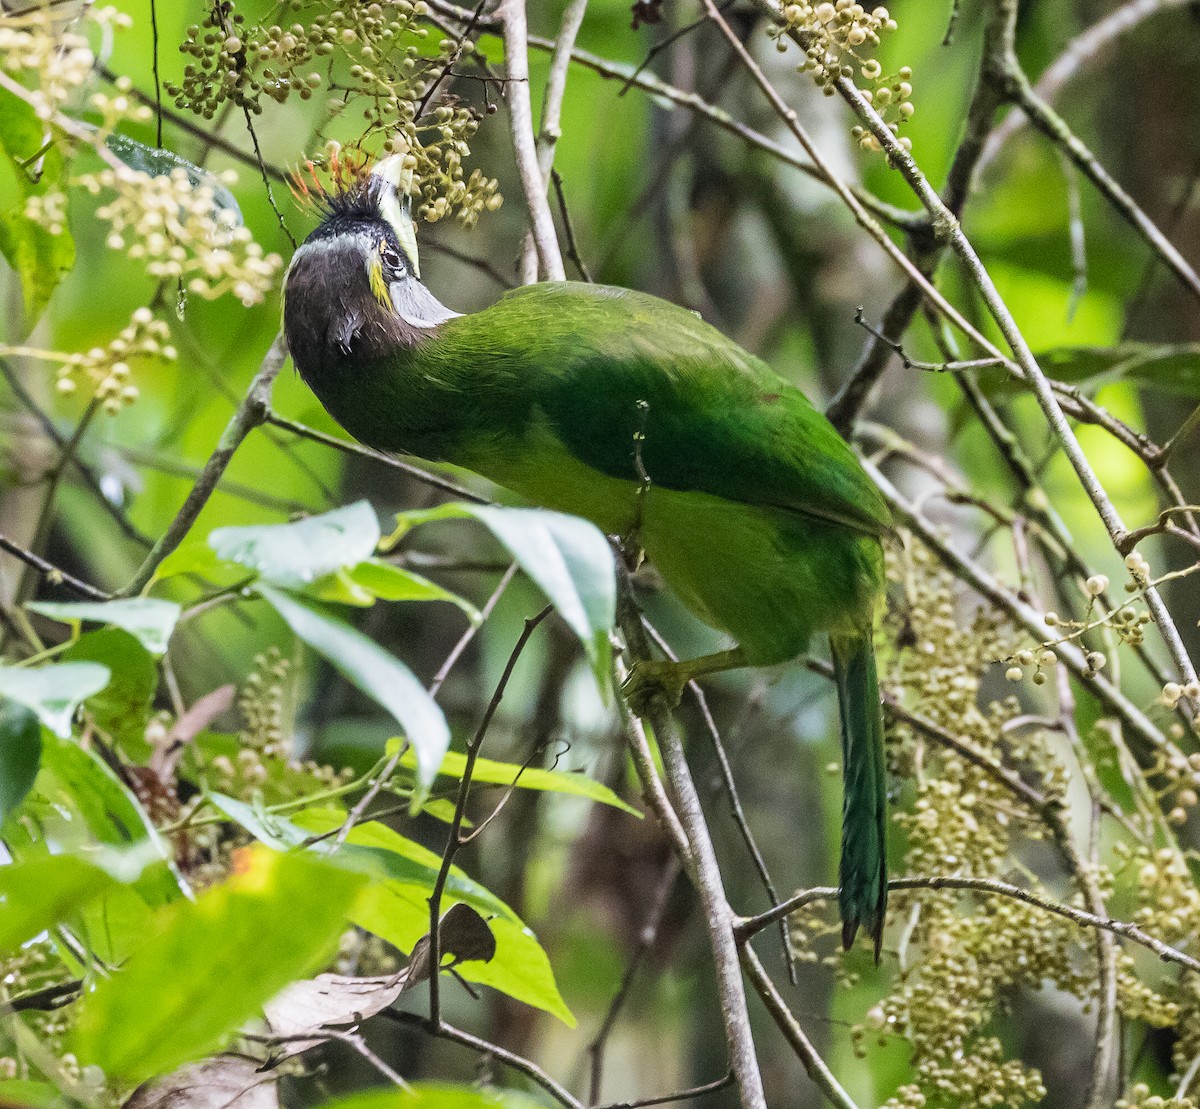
(215, 624)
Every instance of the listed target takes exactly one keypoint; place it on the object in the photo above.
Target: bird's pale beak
(396, 203)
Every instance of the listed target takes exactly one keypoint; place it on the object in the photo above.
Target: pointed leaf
(148, 619)
(38, 893)
(20, 756)
(437, 1095)
(394, 583)
(37, 256)
(109, 810)
(378, 674)
(277, 919)
(295, 555)
(54, 691)
(569, 558)
(535, 778)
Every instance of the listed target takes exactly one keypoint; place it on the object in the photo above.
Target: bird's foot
(653, 678)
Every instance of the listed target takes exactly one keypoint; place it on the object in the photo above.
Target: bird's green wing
(624, 374)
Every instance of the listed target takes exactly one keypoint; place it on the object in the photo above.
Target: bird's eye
(393, 261)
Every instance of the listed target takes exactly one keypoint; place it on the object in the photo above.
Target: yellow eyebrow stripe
(379, 287)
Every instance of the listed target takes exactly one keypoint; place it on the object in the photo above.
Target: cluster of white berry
(175, 226)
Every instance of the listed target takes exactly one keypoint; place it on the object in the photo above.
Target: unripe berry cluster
(373, 56)
(837, 38)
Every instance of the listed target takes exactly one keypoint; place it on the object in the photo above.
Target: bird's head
(353, 287)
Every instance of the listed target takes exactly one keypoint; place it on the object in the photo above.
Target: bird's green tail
(863, 898)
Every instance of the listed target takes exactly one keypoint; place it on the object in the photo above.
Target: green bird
(635, 414)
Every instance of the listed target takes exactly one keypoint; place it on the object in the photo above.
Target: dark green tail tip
(872, 922)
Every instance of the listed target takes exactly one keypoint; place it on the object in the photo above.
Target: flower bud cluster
(380, 63)
(60, 60)
(107, 369)
(175, 227)
(262, 703)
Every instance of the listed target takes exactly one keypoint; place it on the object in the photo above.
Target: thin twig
(818, 1070)
(750, 926)
(52, 573)
(1080, 52)
(682, 1095)
(707, 873)
(348, 446)
(249, 414)
(646, 940)
(454, 838)
(494, 1051)
(520, 112)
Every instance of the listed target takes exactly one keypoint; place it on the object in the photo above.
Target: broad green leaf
(295, 555)
(378, 674)
(394, 583)
(277, 919)
(161, 163)
(123, 708)
(37, 256)
(20, 755)
(506, 773)
(53, 691)
(111, 812)
(33, 1095)
(1172, 367)
(37, 894)
(520, 968)
(384, 853)
(569, 559)
(148, 619)
(398, 911)
(437, 1095)
(200, 559)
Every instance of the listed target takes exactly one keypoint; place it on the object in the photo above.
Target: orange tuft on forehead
(346, 172)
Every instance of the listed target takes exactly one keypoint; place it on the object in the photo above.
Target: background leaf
(277, 919)
(378, 674)
(20, 755)
(38, 893)
(53, 691)
(295, 555)
(532, 777)
(40, 258)
(569, 558)
(148, 619)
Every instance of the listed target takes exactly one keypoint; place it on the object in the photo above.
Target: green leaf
(1171, 367)
(277, 919)
(200, 559)
(148, 619)
(295, 555)
(38, 257)
(384, 853)
(161, 163)
(397, 910)
(437, 1095)
(394, 583)
(38, 893)
(20, 755)
(33, 1095)
(122, 709)
(378, 674)
(506, 773)
(112, 814)
(54, 691)
(568, 558)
